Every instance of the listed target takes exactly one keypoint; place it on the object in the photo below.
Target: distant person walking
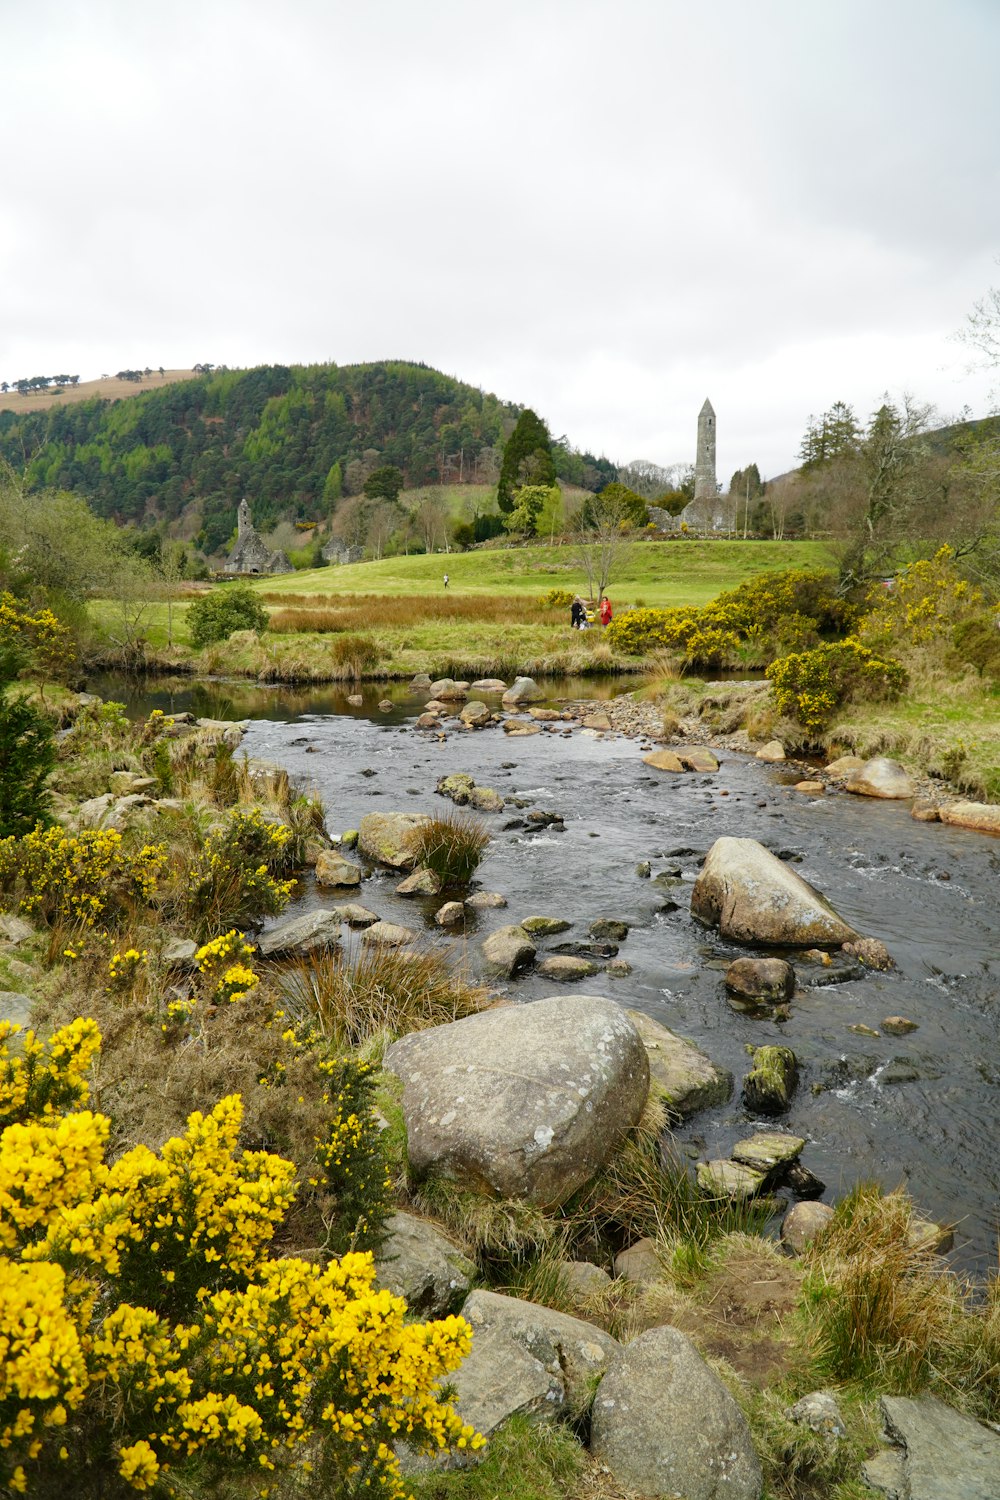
(605, 611)
(446, 580)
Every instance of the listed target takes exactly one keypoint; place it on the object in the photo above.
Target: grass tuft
(452, 847)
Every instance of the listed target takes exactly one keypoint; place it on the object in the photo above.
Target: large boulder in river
(522, 690)
(881, 777)
(297, 937)
(333, 869)
(392, 838)
(753, 897)
(664, 1424)
(525, 1101)
(760, 978)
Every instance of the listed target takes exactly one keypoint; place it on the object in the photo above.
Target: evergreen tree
(527, 459)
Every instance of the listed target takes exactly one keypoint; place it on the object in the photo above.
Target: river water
(919, 1110)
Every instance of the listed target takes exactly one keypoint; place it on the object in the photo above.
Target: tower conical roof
(707, 407)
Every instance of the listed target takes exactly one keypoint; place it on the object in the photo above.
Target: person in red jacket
(605, 611)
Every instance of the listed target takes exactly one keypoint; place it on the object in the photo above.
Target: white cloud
(604, 210)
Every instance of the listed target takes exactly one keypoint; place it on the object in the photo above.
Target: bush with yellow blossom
(90, 879)
(234, 877)
(150, 1344)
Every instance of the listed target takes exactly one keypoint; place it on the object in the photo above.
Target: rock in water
(683, 1076)
(753, 897)
(761, 978)
(333, 869)
(392, 838)
(881, 777)
(768, 1087)
(982, 816)
(296, 937)
(506, 951)
(666, 1425)
(522, 690)
(526, 1101)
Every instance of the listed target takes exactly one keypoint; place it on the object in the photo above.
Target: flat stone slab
(356, 916)
(945, 1455)
(729, 1179)
(387, 935)
(14, 929)
(984, 817)
(500, 1379)
(566, 969)
(684, 1076)
(179, 953)
(313, 932)
(15, 1006)
(521, 727)
(485, 901)
(767, 1150)
(523, 1101)
(545, 926)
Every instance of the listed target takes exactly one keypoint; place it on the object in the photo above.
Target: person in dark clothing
(577, 613)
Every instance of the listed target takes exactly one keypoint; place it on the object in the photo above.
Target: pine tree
(527, 459)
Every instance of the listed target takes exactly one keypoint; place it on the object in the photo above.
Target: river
(919, 1110)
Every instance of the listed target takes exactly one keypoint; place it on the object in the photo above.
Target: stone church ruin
(251, 554)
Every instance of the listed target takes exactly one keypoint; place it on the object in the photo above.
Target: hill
(291, 438)
(107, 388)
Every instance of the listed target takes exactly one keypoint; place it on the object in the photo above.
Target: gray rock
(683, 1076)
(870, 952)
(96, 812)
(754, 897)
(458, 786)
(179, 953)
(820, 1413)
(945, 1454)
(420, 883)
(699, 759)
(768, 1151)
(666, 1425)
(312, 932)
(608, 927)
(581, 1278)
(387, 935)
(729, 1179)
(475, 714)
(768, 1087)
(568, 1347)
(639, 1263)
(618, 968)
(355, 915)
(881, 777)
(485, 799)
(984, 817)
(522, 690)
(15, 1006)
(664, 760)
(844, 765)
(392, 838)
(485, 900)
(761, 978)
(506, 951)
(566, 969)
(545, 926)
(524, 1101)
(489, 685)
(499, 1379)
(803, 1223)
(418, 1262)
(124, 782)
(447, 690)
(14, 929)
(521, 727)
(420, 683)
(333, 869)
(772, 752)
(450, 914)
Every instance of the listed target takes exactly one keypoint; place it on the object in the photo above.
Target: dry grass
(363, 1000)
(109, 390)
(452, 846)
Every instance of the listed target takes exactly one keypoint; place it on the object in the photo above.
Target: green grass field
(655, 573)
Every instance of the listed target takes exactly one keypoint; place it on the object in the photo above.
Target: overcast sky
(604, 209)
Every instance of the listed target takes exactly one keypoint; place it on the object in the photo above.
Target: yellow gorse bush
(144, 1326)
(88, 879)
(234, 878)
(42, 1078)
(926, 600)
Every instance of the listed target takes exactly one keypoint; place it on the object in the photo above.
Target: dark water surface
(920, 1110)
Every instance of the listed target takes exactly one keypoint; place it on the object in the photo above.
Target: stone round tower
(705, 487)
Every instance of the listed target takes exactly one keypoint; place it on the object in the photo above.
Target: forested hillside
(291, 439)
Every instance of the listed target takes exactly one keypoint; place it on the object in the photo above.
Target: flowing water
(920, 1110)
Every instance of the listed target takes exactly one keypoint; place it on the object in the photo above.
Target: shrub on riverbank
(216, 616)
(809, 686)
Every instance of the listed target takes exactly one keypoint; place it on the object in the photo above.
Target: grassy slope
(111, 390)
(656, 573)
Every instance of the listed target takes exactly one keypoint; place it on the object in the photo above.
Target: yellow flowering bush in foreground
(233, 879)
(148, 1343)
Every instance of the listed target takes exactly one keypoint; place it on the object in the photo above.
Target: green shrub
(809, 686)
(452, 847)
(233, 882)
(977, 642)
(215, 616)
(27, 755)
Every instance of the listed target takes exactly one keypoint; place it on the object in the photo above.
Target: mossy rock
(768, 1087)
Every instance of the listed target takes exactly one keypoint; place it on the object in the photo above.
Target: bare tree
(432, 518)
(382, 523)
(602, 544)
